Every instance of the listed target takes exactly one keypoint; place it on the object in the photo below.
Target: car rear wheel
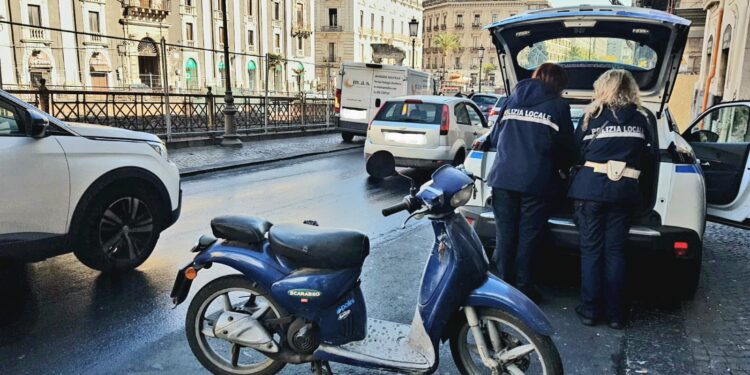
(459, 158)
(686, 276)
(119, 230)
(347, 137)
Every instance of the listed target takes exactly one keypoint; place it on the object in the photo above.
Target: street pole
(231, 138)
(480, 74)
(413, 51)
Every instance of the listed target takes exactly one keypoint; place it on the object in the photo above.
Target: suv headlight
(160, 148)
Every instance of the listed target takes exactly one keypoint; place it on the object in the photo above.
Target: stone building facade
(366, 31)
(466, 18)
(185, 36)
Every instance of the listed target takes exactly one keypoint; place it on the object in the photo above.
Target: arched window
(191, 74)
(251, 69)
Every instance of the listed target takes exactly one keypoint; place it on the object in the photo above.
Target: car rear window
(400, 111)
(501, 102)
(484, 100)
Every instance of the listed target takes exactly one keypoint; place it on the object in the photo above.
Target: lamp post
(481, 57)
(413, 31)
(231, 138)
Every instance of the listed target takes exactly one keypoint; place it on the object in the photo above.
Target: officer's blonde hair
(615, 89)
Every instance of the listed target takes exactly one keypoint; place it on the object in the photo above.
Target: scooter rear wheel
(541, 355)
(215, 354)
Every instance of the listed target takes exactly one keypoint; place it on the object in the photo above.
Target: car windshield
(501, 102)
(484, 100)
(405, 111)
(588, 50)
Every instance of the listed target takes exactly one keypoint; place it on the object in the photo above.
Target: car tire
(686, 275)
(459, 158)
(119, 229)
(347, 137)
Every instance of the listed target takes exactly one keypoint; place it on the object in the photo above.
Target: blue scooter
(298, 299)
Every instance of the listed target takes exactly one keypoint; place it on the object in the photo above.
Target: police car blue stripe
(476, 155)
(686, 169)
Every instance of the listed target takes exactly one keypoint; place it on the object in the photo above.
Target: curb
(195, 171)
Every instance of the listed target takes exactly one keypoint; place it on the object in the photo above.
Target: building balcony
(458, 26)
(277, 23)
(35, 34)
(146, 9)
(188, 10)
(332, 59)
(189, 43)
(476, 25)
(96, 40)
(331, 29)
(459, 50)
(443, 27)
(458, 66)
(218, 14)
(301, 30)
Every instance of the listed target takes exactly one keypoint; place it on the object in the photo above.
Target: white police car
(698, 175)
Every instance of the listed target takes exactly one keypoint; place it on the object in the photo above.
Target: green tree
(575, 53)
(447, 44)
(488, 68)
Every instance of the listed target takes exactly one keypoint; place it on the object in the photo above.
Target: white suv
(422, 132)
(103, 193)
(703, 173)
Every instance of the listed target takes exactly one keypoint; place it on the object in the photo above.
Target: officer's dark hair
(552, 75)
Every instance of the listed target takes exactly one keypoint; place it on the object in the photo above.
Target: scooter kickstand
(321, 368)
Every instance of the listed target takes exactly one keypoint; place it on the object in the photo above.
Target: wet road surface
(66, 319)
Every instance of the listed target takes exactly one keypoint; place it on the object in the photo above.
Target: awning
(191, 64)
(251, 65)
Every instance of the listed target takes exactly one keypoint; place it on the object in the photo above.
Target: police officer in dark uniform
(613, 138)
(534, 140)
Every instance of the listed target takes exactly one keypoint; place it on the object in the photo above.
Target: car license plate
(406, 138)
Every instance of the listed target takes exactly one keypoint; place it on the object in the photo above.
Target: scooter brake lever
(416, 213)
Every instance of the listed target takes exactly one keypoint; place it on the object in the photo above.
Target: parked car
(103, 193)
(423, 131)
(489, 104)
(362, 87)
(706, 165)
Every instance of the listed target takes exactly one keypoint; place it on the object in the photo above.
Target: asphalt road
(65, 318)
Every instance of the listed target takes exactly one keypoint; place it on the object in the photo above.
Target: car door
(478, 123)
(464, 125)
(35, 186)
(720, 138)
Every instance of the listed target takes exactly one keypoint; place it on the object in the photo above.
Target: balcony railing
(332, 29)
(476, 25)
(443, 27)
(459, 26)
(189, 10)
(31, 33)
(457, 66)
(162, 5)
(190, 43)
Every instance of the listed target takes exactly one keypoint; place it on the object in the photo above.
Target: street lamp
(481, 56)
(413, 31)
(231, 138)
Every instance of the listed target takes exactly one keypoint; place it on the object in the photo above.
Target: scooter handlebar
(388, 211)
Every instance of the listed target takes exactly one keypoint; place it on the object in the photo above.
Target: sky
(562, 3)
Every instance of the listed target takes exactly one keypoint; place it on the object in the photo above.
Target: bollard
(210, 109)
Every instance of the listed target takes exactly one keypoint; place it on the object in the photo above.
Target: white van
(363, 87)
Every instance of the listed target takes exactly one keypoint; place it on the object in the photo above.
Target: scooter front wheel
(229, 294)
(515, 347)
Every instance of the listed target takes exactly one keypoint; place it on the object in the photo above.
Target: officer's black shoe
(616, 324)
(584, 318)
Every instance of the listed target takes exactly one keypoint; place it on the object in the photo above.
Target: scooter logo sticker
(304, 293)
(343, 310)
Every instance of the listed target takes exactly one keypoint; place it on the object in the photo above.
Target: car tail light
(369, 125)
(680, 248)
(337, 101)
(445, 122)
(493, 112)
(470, 221)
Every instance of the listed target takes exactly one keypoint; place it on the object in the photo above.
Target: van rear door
(356, 90)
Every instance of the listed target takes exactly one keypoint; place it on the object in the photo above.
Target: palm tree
(447, 44)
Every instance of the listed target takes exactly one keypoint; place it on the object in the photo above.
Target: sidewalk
(197, 160)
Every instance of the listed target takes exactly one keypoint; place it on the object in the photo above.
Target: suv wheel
(347, 137)
(119, 230)
(459, 158)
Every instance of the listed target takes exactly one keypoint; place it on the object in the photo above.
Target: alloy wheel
(126, 228)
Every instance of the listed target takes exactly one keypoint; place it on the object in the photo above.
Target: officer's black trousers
(519, 221)
(603, 229)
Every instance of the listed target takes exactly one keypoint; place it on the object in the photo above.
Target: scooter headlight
(462, 196)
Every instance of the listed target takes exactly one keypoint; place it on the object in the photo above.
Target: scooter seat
(247, 229)
(315, 247)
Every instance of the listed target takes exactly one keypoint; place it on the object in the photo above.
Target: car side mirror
(704, 136)
(38, 125)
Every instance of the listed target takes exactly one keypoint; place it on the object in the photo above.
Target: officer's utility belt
(615, 170)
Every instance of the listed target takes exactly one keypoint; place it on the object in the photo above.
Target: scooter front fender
(256, 265)
(497, 294)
